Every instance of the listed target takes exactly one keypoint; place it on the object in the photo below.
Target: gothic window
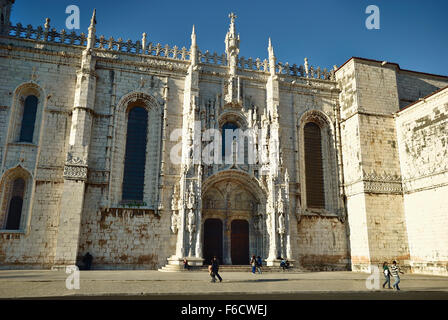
(314, 175)
(15, 205)
(228, 126)
(28, 119)
(135, 156)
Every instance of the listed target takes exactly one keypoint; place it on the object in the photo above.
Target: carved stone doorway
(240, 242)
(236, 203)
(212, 240)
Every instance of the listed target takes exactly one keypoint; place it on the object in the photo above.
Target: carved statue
(191, 222)
(191, 201)
(281, 224)
(174, 208)
(280, 206)
(174, 222)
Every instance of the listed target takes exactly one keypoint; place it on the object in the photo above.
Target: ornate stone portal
(227, 217)
(233, 203)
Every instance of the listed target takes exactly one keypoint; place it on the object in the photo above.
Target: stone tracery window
(28, 119)
(15, 205)
(228, 126)
(314, 174)
(135, 156)
(237, 146)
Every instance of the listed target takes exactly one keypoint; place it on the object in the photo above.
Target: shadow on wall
(411, 88)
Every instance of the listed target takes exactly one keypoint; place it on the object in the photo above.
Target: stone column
(189, 135)
(226, 243)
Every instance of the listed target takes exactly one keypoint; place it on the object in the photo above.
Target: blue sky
(413, 33)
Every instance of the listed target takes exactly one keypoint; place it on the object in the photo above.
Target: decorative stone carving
(382, 183)
(174, 208)
(75, 168)
(75, 172)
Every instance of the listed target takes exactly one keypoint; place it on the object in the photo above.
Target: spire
(93, 20)
(193, 38)
(5, 14)
(194, 48)
(270, 49)
(232, 42)
(232, 17)
(92, 29)
(144, 37)
(272, 59)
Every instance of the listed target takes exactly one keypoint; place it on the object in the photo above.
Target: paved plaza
(150, 284)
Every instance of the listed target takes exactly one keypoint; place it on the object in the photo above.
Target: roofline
(422, 99)
(391, 63)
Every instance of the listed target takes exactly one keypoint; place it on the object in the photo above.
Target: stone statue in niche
(191, 216)
(281, 224)
(174, 208)
(174, 222)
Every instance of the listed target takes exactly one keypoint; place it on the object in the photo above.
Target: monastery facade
(119, 148)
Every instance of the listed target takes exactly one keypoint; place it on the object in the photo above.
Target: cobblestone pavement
(196, 285)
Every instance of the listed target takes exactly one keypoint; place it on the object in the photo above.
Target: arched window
(314, 174)
(15, 205)
(226, 127)
(28, 119)
(135, 156)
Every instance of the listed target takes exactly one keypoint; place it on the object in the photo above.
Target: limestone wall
(49, 75)
(371, 164)
(413, 86)
(117, 236)
(422, 140)
(121, 238)
(322, 244)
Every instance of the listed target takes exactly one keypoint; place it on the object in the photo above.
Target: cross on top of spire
(232, 17)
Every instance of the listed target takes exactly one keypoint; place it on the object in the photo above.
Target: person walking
(253, 263)
(214, 270)
(259, 264)
(395, 270)
(386, 273)
(186, 265)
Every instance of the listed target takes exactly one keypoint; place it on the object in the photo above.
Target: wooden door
(240, 242)
(212, 240)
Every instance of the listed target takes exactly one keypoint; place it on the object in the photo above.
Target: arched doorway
(240, 242)
(212, 240)
(238, 203)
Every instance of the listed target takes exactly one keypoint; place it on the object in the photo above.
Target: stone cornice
(367, 113)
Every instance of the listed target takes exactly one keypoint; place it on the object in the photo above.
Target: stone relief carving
(75, 172)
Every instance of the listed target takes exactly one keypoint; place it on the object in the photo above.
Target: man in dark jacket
(215, 269)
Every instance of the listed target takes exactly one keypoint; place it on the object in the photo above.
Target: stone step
(225, 268)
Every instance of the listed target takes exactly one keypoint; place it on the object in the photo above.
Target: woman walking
(214, 270)
(253, 263)
(386, 273)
